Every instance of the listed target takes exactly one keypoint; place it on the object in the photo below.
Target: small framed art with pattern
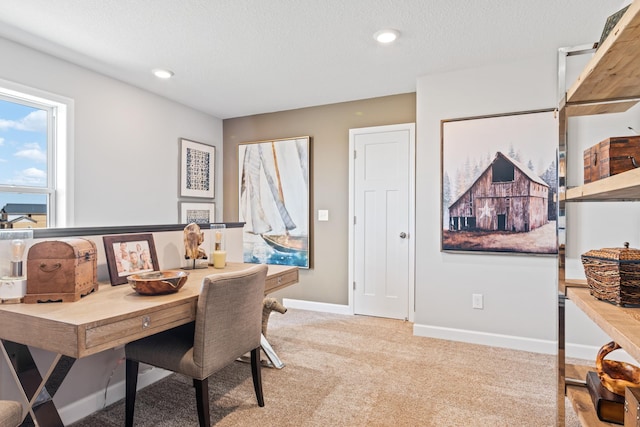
(197, 169)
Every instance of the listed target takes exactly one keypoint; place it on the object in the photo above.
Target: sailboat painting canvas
(274, 201)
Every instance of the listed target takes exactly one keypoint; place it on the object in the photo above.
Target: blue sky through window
(23, 151)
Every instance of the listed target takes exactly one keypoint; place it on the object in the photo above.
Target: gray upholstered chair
(228, 325)
(10, 413)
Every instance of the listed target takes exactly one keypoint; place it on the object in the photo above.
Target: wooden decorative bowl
(614, 375)
(158, 282)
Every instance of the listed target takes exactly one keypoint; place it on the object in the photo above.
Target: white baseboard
(584, 352)
(577, 351)
(317, 306)
(483, 338)
(94, 402)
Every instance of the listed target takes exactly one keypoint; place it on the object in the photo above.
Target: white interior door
(382, 229)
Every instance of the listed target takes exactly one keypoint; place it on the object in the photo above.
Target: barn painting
(499, 185)
(506, 197)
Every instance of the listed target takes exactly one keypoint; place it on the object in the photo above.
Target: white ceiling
(234, 58)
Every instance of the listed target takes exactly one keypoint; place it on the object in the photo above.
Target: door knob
(403, 235)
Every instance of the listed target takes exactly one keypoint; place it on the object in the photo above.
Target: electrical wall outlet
(477, 301)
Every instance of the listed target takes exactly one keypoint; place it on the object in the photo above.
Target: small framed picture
(197, 169)
(200, 213)
(128, 254)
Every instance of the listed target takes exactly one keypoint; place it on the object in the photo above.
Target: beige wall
(328, 126)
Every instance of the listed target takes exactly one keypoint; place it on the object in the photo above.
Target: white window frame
(60, 167)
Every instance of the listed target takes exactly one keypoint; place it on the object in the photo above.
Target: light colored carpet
(361, 371)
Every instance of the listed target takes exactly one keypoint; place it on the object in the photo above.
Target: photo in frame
(128, 254)
(199, 213)
(197, 169)
(499, 183)
(274, 201)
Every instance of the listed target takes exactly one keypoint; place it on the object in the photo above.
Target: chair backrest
(10, 413)
(229, 317)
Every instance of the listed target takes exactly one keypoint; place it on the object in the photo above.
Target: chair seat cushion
(10, 413)
(177, 357)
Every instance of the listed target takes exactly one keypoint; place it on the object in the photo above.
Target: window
(502, 171)
(33, 158)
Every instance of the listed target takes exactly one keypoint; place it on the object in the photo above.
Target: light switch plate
(477, 301)
(323, 215)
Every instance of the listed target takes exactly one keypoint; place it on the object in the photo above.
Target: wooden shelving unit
(613, 73)
(620, 323)
(610, 83)
(621, 187)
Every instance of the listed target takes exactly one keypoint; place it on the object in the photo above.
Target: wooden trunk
(610, 157)
(61, 270)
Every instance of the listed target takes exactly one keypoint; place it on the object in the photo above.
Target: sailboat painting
(274, 201)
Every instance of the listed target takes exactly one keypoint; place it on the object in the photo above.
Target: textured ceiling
(234, 58)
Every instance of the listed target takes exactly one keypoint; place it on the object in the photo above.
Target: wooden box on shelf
(610, 157)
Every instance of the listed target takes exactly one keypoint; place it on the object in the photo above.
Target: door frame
(411, 127)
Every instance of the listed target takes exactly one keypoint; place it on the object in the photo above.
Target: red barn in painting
(507, 196)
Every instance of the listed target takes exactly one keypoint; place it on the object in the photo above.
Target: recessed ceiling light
(163, 74)
(386, 36)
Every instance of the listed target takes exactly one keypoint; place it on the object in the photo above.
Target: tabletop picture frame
(197, 169)
(139, 248)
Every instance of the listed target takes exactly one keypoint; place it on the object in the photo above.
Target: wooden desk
(113, 316)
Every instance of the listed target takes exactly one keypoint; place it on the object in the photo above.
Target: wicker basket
(613, 274)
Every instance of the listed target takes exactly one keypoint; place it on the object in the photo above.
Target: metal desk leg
(37, 392)
(271, 354)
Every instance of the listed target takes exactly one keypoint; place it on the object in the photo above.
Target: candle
(17, 250)
(219, 259)
(218, 245)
